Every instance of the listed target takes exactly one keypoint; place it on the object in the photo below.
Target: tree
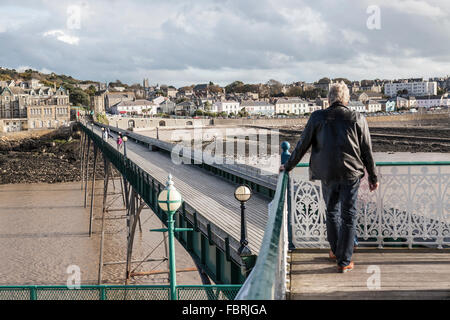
(441, 91)
(233, 87)
(346, 81)
(207, 106)
(91, 90)
(294, 92)
(243, 113)
(181, 99)
(275, 90)
(324, 80)
(215, 89)
(79, 97)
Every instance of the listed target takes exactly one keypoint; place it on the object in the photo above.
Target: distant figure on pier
(105, 135)
(119, 141)
(341, 149)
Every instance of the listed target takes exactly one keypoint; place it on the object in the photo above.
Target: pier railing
(267, 281)
(104, 292)
(410, 208)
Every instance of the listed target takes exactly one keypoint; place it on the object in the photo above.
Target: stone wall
(140, 123)
(424, 119)
(149, 123)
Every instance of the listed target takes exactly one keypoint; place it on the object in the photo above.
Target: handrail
(263, 280)
(117, 292)
(400, 163)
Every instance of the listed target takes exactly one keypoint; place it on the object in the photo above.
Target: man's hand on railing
(373, 187)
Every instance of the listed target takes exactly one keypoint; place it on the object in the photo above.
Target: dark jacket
(341, 146)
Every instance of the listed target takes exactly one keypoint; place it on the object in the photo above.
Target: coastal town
(224, 155)
(33, 104)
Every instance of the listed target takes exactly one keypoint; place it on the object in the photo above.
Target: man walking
(341, 149)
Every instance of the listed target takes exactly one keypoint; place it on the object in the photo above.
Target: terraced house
(291, 106)
(33, 108)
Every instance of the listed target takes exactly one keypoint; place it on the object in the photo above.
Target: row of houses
(33, 108)
(366, 102)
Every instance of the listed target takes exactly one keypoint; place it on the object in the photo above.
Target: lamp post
(125, 139)
(170, 200)
(243, 194)
(103, 134)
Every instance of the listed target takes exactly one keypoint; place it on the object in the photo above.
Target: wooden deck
(404, 274)
(212, 197)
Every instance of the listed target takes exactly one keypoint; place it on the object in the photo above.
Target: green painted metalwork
(207, 292)
(148, 188)
(260, 285)
(132, 292)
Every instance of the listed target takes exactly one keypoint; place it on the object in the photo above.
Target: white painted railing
(411, 207)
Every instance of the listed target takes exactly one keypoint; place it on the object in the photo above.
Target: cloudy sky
(181, 42)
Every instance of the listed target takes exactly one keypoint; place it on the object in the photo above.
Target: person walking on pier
(341, 149)
(105, 135)
(119, 141)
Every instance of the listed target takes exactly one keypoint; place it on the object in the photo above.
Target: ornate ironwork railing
(206, 292)
(267, 281)
(411, 207)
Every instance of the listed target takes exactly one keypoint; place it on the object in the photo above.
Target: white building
(259, 108)
(159, 100)
(292, 106)
(356, 106)
(414, 88)
(137, 107)
(312, 106)
(432, 101)
(226, 106)
(373, 106)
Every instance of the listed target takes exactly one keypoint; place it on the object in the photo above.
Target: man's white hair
(339, 93)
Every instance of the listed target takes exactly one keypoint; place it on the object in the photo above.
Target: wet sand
(44, 230)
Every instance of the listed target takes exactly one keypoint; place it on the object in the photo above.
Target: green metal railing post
(102, 293)
(33, 293)
(172, 267)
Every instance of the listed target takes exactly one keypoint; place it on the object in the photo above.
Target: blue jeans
(340, 200)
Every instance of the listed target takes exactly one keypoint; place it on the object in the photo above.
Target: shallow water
(44, 230)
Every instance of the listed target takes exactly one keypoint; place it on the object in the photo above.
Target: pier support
(86, 169)
(102, 232)
(91, 215)
(81, 157)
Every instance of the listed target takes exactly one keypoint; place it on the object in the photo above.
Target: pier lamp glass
(125, 139)
(242, 193)
(170, 200)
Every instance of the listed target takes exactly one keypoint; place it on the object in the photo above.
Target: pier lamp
(242, 194)
(125, 139)
(170, 200)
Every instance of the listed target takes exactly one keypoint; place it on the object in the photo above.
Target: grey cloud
(251, 38)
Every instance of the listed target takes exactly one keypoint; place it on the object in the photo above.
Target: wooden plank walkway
(212, 197)
(404, 274)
